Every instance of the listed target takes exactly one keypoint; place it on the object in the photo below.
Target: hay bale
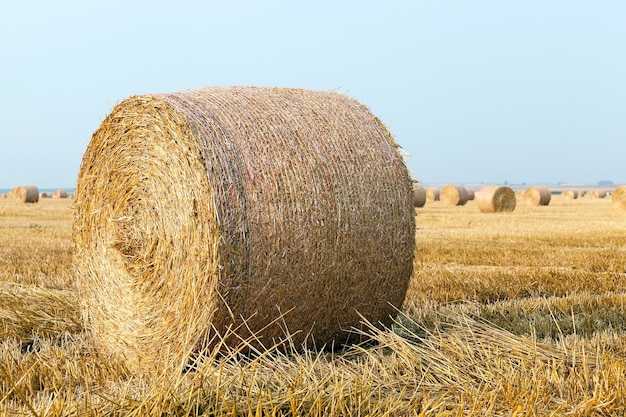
(45, 195)
(470, 194)
(537, 196)
(570, 194)
(25, 194)
(260, 210)
(432, 194)
(59, 194)
(619, 197)
(453, 195)
(419, 196)
(496, 199)
(596, 194)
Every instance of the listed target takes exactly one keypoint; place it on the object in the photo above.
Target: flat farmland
(518, 313)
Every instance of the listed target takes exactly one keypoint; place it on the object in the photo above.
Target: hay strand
(619, 197)
(496, 199)
(25, 194)
(265, 211)
(537, 196)
(453, 195)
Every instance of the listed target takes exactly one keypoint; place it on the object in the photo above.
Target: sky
(491, 91)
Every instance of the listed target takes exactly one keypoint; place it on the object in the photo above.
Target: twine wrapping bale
(537, 196)
(570, 194)
(432, 194)
(453, 195)
(496, 199)
(619, 197)
(419, 196)
(59, 194)
(259, 210)
(25, 194)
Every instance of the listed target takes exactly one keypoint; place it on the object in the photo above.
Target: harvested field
(504, 315)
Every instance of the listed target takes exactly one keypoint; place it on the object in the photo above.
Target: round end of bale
(262, 215)
(60, 194)
(453, 195)
(537, 196)
(619, 197)
(25, 194)
(570, 194)
(432, 194)
(419, 196)
(496, 199)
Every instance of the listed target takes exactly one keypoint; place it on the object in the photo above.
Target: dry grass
(520, 314)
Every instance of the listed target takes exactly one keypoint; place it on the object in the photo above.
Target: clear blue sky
(476, 91)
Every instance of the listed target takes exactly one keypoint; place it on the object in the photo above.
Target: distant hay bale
(432, 194)
(470, 194)
(45, 195)
(25, 194)
(570, 194)
(259, 210)
(419, 196)
(596, 194)
(619, 197)
(453, 195)
(496, 199)
(60, 194)
(537, 196)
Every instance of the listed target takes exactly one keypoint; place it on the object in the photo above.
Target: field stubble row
(517, 312)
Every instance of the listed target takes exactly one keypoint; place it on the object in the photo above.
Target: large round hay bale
(470, 193)
(25, 194)
(432, 194)
(453, 195)
(537, 196)
(495, 199)
(419, 196)
(619, 197)
(570, 194)
(265, 211)
(59, 194)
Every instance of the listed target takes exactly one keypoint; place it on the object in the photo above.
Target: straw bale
(25, 194)
(619, 197)
(596, 194)
(419, 196)
(265, 211)
(537, 196)
(60, 194)
(570, 194)
(470, 193)
(45, 195)
(432, 194)
(496, 199)
(453, 195)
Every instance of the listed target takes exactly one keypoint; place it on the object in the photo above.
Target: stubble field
(507, 314)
